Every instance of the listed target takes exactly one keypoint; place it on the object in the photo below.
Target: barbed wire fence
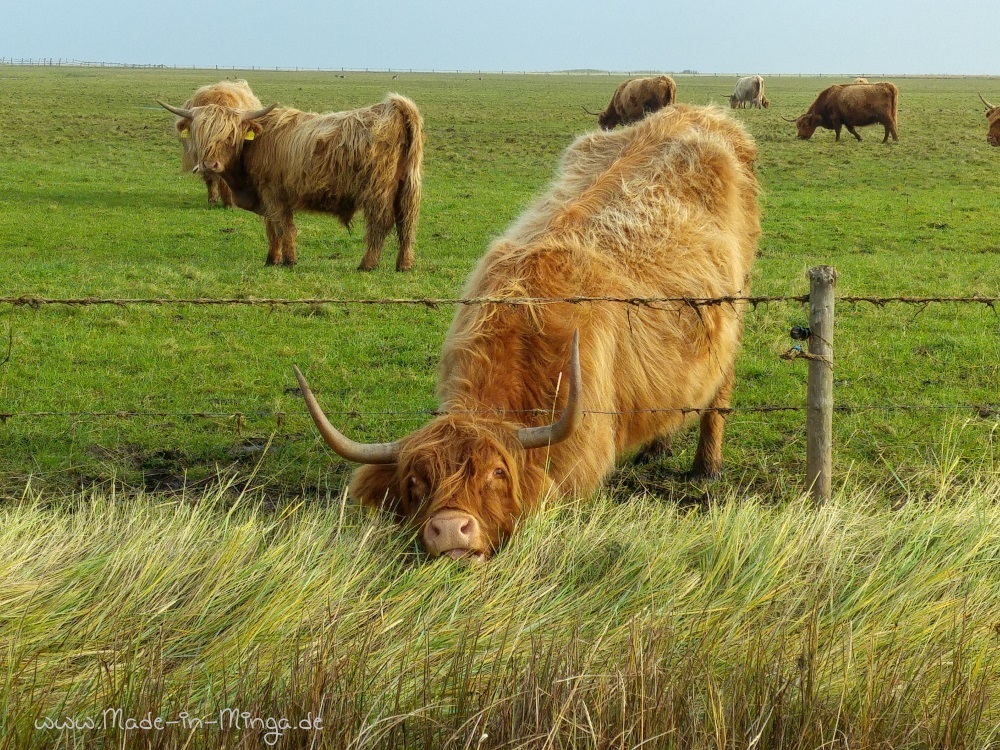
(819, 408)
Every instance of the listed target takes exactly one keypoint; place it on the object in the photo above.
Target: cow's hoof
(407, 267)
(701, 475)
(365, 268)
(651, 452)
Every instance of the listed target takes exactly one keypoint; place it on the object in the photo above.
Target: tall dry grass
(603, 624)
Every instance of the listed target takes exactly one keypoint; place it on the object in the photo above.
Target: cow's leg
(213, 190)
(852, 131)
(657, 448)
(273, 241)
(836, 129)
(708, 458)
(225, 193)
(406, 209)
(289, 254)
(281, 233)
(378, 224)
(890, 129)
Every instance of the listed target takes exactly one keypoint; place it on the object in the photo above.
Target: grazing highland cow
(851, 105)
(235, 94)
(860, 79)
(278, 161)
(993, 117)
(665, 208)
(636, 98)
(749, 90)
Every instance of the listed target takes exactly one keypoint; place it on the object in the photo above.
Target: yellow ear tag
(249, 136)
(184, 133)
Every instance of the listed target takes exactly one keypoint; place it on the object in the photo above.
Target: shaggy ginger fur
(667, 207)
(234, 94)
(369, 159)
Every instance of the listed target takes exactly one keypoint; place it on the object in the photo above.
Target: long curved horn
(360, 453)
(186, 113)
(258, 113)
(538, 437)
(593, 114)
(787, 119)
(988, 105)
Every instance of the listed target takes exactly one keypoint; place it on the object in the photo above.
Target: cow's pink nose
(211, 166)
(451, 531)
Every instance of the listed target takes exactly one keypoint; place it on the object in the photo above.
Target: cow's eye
(417, 488)
(499, 474)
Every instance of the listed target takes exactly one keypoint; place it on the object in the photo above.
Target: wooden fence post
(819, 413)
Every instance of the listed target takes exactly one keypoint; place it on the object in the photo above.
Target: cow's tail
(406, 205)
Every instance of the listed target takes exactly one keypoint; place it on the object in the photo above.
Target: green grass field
(168, 556)
(95, 205)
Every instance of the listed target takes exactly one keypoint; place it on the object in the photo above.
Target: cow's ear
(183, 128)
(377, 486)
(254, 129)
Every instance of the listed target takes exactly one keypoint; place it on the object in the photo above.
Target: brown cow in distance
(280, 160)
(235, 94)
(687, 226)
(636, 98)
(851, 105)
(993, 117)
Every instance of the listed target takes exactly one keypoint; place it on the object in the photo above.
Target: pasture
(156, 461)
(95, 205)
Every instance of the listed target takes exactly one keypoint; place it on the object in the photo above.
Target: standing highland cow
(278, 161)
(749, 90)
(665, 208)
(851, 105)
(235, 94)
(636, 98)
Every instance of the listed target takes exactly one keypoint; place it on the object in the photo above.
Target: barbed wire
(31, 301)
(433, 302)
(983, 410)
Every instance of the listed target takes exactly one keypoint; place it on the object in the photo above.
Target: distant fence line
(432, 302)
(73, 63)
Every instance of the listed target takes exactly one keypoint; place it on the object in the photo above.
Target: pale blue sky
(897, 36)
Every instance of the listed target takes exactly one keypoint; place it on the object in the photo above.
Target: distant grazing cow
(277, 161)
(665, 208)
(860, 79)
(749, 90)
(851, 105)
(993, 117)
(236, 94)
(636, 98)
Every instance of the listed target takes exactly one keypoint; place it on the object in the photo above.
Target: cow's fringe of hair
(234, 94)
(450, 455)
